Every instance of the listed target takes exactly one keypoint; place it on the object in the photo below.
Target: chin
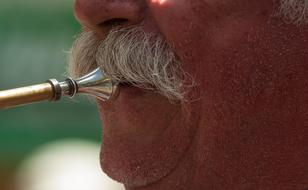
(144, 137)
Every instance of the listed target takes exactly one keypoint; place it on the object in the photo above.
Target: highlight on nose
(103, 15)
(160, 2)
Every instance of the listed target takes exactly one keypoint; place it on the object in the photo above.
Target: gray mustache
(132, 57)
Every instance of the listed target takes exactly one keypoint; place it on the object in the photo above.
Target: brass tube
(95, 84)
(26, 95)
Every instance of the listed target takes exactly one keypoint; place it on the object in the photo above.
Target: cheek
(177, 22)
(180, 23)
(201, 32)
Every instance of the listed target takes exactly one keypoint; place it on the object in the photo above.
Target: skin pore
(242, 126)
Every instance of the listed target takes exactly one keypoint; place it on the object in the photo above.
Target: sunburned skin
(244, 124)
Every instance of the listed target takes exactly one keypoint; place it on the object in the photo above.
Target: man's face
(232, 60)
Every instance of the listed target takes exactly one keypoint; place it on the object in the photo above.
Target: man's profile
(213, 94)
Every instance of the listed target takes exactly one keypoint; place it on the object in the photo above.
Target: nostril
(114, 22)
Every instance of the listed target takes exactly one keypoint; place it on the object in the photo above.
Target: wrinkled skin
(246, 126)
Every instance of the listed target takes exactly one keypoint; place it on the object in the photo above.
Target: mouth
(132, 86)
(123, 92)
(125, 84)
(141, 86)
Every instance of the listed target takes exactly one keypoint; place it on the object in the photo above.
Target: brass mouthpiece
(95, 84)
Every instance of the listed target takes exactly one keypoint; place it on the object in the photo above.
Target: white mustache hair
(133, 57)
(294, 11)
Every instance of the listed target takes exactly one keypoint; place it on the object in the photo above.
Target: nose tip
(102, 15)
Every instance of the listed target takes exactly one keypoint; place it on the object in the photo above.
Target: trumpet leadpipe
(95, 84)
(26, 95)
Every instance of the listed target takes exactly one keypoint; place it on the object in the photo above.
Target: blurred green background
(34, 36)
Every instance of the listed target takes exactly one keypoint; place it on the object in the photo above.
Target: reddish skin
(248, 130)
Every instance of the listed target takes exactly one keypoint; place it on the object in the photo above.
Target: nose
(102, 15)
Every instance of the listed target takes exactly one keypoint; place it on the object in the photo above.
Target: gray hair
(294, 11)
(133, 57)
